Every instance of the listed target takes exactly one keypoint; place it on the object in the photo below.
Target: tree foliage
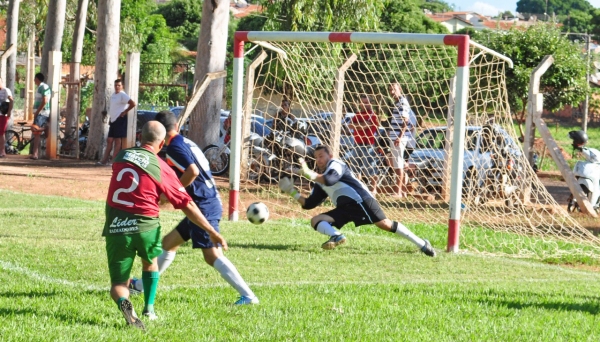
(564, 83)
(558, 7)
(183, 17)
(435, 6)
(407, 16)
(323, 15)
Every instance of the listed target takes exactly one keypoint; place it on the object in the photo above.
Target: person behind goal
(352, 200)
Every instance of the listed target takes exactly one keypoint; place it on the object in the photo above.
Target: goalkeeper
(353, 202)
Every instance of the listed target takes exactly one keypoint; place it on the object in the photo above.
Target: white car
(428, 156)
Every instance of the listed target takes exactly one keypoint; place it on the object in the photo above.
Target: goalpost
(448, 80)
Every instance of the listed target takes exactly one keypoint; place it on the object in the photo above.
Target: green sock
(150, 281)
(120, 301)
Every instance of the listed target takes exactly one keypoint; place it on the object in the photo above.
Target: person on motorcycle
(580, 138)
(284, 119)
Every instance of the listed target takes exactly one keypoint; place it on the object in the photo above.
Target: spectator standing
(41, 113)
(365, 125)
(120, 104)
(6, 106)
(402, 134)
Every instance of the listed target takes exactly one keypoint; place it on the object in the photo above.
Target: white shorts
(398, 154)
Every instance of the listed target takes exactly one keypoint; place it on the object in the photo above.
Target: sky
(492, 7)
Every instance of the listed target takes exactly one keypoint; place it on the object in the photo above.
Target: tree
(76, 52)
(212, 45)
(578, 22)
(558, 7)
(11, 38)
(436, 6)
(406, 16)
(184, 17)
(324, 15)
(564, 83)
(55, 24)
(107, 58)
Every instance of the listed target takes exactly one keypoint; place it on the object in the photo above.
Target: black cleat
(428, 249)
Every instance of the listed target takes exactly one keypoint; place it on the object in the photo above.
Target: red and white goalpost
(460, 107)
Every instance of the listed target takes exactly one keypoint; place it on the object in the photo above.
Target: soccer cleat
(243, 300)
(129, 313)
(334, 241)
(428, 249)
(150, 315)
(136, 286)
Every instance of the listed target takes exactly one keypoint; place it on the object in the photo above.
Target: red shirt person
(365, 123)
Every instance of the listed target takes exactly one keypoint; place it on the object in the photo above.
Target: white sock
(165, 260)
(326, 228)
(232, 276)
(407, 234)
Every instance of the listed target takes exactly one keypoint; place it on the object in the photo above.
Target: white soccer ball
(257, 213)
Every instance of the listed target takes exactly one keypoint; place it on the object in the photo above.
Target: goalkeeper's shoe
(151, 316)
(136, 286)
(428, 249)
(334, 241)
(244, 300)
(129, 313)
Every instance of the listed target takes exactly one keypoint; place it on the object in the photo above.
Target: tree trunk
(107, 60)
(55, 26)
(12, 24)
(212, 49)
(76, 51)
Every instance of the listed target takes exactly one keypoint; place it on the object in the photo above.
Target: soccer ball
(257, 213)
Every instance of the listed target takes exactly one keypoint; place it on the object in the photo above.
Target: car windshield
(435, 139)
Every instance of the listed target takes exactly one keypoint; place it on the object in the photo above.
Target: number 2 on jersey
(134, 185)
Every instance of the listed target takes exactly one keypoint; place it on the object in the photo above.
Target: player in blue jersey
(192, 168)
(353, 201)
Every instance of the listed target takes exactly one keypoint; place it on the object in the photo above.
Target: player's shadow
(262, 246)
(533, 300)
(64, 316)
(28, 294)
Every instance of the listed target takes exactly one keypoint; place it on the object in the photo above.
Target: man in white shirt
(401, 132)
(6, 106)
(120, 104)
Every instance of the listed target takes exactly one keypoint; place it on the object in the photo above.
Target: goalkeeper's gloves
(286, 185)
(306, 171)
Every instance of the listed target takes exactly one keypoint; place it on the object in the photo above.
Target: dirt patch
(85, 180)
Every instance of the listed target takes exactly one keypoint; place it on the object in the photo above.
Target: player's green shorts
(121, 251)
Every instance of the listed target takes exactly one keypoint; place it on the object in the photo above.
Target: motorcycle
(287, 147)
(587, 174)
(503, 180)
(218, 156)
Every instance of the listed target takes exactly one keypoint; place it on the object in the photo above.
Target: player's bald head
(153, 133)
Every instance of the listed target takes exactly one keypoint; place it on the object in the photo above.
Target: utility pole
(586, 104)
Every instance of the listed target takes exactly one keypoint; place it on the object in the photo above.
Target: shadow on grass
(591, 307)
(28, 294)
(263, 246)
(64, 316)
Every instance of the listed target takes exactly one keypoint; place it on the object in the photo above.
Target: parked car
(427, 159)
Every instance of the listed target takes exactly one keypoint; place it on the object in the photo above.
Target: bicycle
(16, 141)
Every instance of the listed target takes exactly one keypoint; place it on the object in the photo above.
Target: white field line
(11, 267)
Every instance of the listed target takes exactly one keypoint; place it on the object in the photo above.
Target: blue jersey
(341, 186)
(181, 153)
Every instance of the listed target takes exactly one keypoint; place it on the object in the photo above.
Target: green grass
(377, 287)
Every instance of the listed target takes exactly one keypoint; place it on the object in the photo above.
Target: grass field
(377, 287)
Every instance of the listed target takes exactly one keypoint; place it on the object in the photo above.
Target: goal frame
(459, 116)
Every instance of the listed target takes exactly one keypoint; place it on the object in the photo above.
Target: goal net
(502, 205)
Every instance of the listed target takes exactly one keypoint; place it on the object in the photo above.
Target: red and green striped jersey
(139, 178)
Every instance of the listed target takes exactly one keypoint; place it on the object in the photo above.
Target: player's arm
(195, 215)
(189, 175)
(316, 197)
(331, 176)
(130, 106)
